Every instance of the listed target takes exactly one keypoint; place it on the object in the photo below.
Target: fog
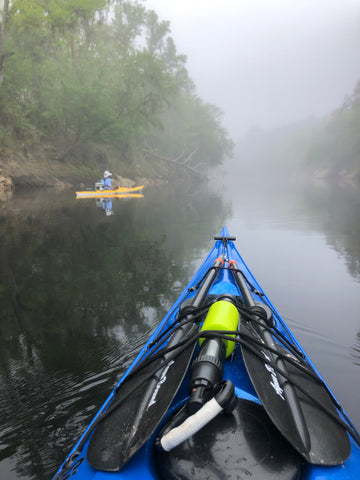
(267, 63)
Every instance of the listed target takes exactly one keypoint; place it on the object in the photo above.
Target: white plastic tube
(191, 425)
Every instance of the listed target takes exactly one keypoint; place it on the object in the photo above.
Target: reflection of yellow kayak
(116, 192)
(116, 195)
(128, 195)
(119, 195)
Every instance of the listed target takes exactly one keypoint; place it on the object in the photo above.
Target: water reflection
(79, 294)
(357, 350)
(340, 221)
(106, 204)
(278, 204)
(81, 291)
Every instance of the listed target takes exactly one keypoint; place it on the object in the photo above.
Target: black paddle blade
(120, 435)
(318, 437)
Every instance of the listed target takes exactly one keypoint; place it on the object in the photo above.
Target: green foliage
(100, 70)
(336, 150)
(191, 132)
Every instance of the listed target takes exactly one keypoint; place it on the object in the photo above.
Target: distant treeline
(105, 71)
(326, 149)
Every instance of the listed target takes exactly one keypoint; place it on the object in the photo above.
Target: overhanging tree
(102, 71)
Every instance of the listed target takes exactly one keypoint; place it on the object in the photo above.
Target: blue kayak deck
(142, 464)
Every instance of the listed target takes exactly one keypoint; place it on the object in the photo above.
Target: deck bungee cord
(221, 359)
(246, 341)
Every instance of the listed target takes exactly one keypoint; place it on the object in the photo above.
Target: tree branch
(180, 161)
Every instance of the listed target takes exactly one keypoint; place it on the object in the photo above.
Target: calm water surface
(80, 291)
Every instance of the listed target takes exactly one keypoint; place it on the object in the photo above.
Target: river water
(81, 290)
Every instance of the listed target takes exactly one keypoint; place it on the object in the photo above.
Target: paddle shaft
(285, 386)
(197, 301)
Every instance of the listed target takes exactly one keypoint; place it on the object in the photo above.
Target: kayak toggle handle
(224, 400)
(225, 238)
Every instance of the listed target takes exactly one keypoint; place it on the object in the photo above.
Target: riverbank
(36, 166)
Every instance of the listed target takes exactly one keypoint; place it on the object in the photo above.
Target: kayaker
(106, 180)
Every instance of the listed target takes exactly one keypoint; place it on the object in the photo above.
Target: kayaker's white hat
(107, 174)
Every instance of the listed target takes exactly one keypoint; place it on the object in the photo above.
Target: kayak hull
(109, 193)
(245, 460)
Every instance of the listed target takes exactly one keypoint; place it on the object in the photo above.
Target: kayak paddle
(144, 397)
(286, 390)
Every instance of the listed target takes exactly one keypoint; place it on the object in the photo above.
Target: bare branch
(180, 161)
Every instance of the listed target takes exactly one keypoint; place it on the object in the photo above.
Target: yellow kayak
(109, 193)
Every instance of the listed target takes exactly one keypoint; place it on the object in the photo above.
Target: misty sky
(267, 62)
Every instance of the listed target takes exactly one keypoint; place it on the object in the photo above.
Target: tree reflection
(79, 294)
(339, 210)
(357, 350)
